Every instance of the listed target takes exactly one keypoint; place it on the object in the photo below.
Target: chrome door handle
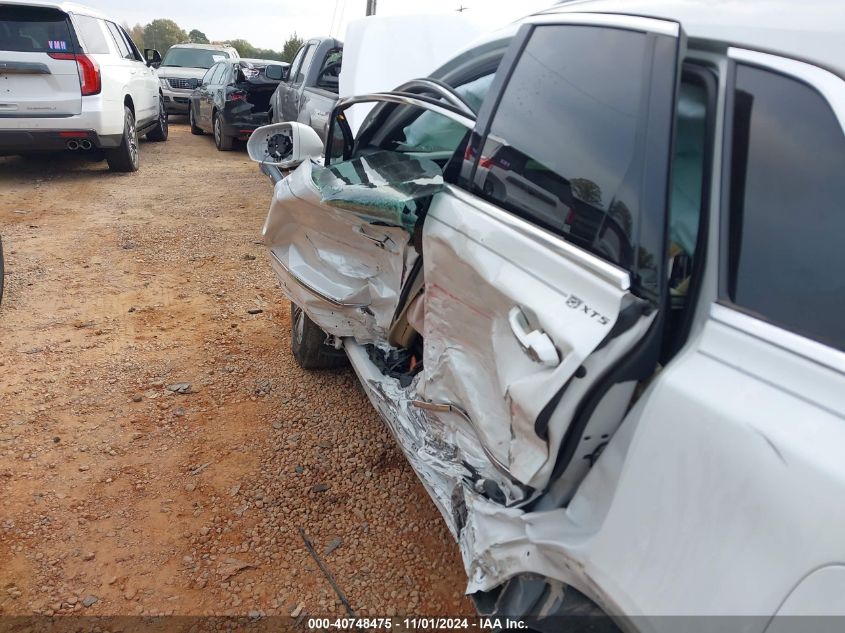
(535, 343)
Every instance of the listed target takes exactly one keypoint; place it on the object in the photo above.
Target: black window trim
(790, 69)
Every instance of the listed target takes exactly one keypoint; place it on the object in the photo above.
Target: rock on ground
(120, 286)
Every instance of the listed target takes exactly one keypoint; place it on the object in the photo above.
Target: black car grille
(179, 84)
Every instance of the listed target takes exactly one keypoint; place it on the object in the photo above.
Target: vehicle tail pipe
(73, 145)
(86, 144)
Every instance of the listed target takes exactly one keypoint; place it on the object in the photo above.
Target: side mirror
(153, 57)
(276, 72)
(193, 84)
(284, 145)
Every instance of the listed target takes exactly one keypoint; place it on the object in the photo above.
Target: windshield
(193, 57)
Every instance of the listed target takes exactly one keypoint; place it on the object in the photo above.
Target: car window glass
(306, 63)
(135, 53)
(193, 57)
(123, 49)
(34, 30)
(566, 148)
(329, 77)
(787, 206)
(206, 78)
(297, 62)
(90, 32)
(218, 74)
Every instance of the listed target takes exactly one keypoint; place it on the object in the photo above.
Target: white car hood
(382, 52)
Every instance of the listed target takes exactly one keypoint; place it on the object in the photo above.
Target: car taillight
(89, 72)
(238, 95)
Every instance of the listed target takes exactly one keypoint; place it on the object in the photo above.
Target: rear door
(135, 74)
(147, 81)
(545, 267)
(206, 97)
(37, 77)
(743, 495)
(296, 82)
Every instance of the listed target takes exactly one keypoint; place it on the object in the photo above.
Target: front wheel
(223, 142)
(196, 130)
(308, 343)
(162, 128)
(125, 158)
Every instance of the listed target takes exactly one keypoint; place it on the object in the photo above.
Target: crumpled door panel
(479, 267)
(339, 238)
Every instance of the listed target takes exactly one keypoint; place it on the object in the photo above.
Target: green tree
(197, 37)
(292, 44)
(244, 48)
(137, 34)
(586, 190)
(162, 34)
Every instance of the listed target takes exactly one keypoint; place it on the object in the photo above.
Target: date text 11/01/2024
(416, 624)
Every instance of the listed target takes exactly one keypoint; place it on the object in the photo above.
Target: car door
(341, 236)
(544, 266)
(198, 95)
(136, 84)
(282, 94)
(221, 82)
(206, 100)
(724, 505)
(147, 80)
(297, 81)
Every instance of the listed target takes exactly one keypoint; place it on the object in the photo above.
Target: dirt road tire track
(113, 486)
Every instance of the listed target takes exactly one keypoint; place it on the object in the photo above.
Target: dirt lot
(119, 496)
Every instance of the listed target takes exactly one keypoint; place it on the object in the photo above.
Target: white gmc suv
(72, 79)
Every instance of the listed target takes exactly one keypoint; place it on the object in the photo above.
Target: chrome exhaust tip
(72, 146)
(85, 145)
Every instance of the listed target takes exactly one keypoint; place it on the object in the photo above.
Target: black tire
(308, 343)
(221, 141)
(125, 158)
(162, 128)
(196, 130)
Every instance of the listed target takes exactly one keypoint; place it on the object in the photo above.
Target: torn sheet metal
(384, 187)
(477, 270)
(343, 270)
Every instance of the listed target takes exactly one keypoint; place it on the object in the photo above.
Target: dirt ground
(119, 495)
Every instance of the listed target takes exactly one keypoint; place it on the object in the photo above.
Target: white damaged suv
(591, 277)
(73, 80)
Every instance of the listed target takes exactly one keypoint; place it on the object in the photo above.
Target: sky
(268, 23)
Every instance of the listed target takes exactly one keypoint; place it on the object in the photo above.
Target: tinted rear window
(193, 58)
(787, 206)
(90, 31)
(34, 30)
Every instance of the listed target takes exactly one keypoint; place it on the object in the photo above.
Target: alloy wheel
(132, 139)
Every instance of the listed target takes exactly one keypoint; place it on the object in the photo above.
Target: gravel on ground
(159, 447)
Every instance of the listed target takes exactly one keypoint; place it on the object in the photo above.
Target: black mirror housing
(153, 57)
